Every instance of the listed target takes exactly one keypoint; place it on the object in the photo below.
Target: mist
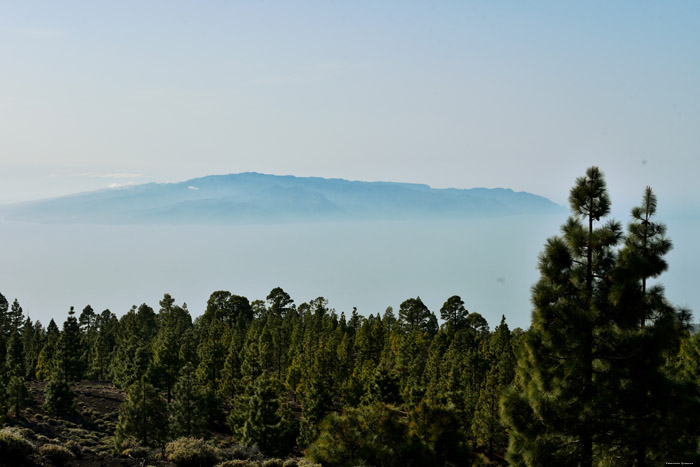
(490, 263)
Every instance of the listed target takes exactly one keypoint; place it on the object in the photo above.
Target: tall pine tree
(557, 412)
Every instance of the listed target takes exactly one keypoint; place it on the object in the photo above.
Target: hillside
(254, 197)
(88, 434)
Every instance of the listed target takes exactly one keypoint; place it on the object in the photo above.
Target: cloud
(120, 185)
(193, 187)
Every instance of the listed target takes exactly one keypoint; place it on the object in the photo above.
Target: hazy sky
(524, 95)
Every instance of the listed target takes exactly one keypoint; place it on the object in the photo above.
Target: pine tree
(369, 435)
(650, 405)
(15, 318)
(266, 423)
(186, 417)
(104, 344)
(32, 336)
(487, 426)
(280, 302)
(136, 331)
(87, 322)
(454, 313)
(69, 349)
(47, 362)
(166, 363)
(130, 362)
(414, 315)
(59, 398)
(15, 360)
(4, 318)
(212, 355)
(188, 349)
(17, 395)
(142, 417)
(439, 430)
(557, 413)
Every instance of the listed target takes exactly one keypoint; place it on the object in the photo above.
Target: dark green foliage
(592, 383)
(15, 359)
(166, 361)
(87, 322)
(231, 373)
(453, 313)
(47, 362)
(439, 430)
(15, 318)
(17, 395)
(385, 386)
(188, 348)
(227, 308)
(130, 362)
(4, 318)
(212, 355)
(69, 349)
(375, 434)
(142, 417)
(477, 324)
(266, 423)
(213, 409)
(280, 302)
(137, 329)
(647, 330)
(59, 398)
(32, 340)
(487, 425)
(104, 344)
(566, 405)
(186, 411)
(318, 401)
(414, 315)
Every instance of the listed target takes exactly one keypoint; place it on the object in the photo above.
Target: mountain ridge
(257, 197)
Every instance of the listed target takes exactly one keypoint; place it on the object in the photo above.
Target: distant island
(261, 198)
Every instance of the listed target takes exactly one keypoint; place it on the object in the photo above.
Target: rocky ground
(88, 434)
(86, 438)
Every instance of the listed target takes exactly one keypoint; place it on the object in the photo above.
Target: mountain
(254, 197)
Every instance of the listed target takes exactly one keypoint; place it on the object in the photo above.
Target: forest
(607, 374)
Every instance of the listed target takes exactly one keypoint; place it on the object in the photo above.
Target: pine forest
(608, 374)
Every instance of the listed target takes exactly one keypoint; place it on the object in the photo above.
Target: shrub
(190, 452)
(14, 449)
(75, 447)
(273, 463)
(136, 452)
(241, 452)
(56, 454)
(290, 463)
(239, 463)
(308, 463)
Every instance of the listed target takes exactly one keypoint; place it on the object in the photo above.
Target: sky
(523, 95)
